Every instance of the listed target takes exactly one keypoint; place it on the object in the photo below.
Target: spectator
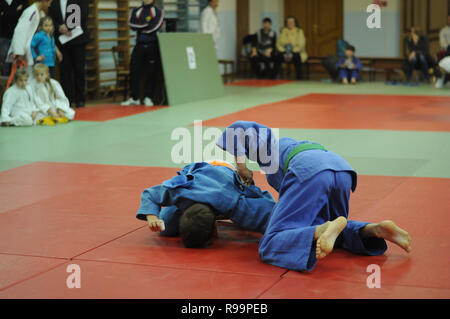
(349, 66)
(10, 12)
(418, 54)
(24, 32)
(444, 68)
(73, 77)
(18, 108)
(292, 45)
(49, 98)
(147, 20)
(444, 37)
(209, 22)
(263, 57)
(43, 45)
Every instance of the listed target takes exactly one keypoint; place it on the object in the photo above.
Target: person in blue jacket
(349, 66)
(197, 196)
(43, 46)
(314, 185)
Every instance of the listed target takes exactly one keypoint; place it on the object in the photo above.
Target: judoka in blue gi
(197, 196)
(314, 185)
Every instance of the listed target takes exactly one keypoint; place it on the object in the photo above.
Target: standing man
(68, 15)
(209, 22)
(147, 20)
(10, 12)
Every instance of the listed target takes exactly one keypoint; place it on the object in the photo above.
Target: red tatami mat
(342, 111)
(108, 112)
(125, 281)
(14, 269)
(235, 251)
(259, 83)
(94, 222)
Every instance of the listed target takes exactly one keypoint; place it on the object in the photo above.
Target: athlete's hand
(154, 223)
(246, 175)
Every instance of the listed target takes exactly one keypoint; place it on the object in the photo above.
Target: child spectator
(43, 46)
(50, 98)
(349, 66)
(18, 108)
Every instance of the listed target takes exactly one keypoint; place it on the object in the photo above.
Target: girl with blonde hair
(50, 98)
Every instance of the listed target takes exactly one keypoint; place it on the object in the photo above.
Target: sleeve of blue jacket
(251, 139)
(34, 43)
(151, 201)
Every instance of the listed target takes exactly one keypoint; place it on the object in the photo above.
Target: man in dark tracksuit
(147, 20)
(74, 52)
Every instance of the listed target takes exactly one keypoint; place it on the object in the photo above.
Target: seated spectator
(419, 56)
(263, 57)
(43, 46)
(444, 68)
(349, 66)
(292, 45)
(444, 37)
(18, 108)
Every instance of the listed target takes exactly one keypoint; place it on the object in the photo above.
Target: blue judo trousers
(314, 189)
(217, 186)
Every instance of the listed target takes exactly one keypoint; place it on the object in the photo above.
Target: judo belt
(19, 63)
(301, 148)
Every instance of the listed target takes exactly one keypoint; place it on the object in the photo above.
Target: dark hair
(197, 226)
(350, 47)
(291, 17)
(267, 20)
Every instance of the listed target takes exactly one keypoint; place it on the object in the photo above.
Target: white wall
(384, 42)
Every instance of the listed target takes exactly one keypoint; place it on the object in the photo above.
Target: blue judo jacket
(217, 186)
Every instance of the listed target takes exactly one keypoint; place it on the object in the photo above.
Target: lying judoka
(310, 218)
(197, 196)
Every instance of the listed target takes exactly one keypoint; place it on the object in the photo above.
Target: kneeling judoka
(314, 184)
(197, 196)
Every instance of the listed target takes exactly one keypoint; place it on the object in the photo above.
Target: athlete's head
(21, 78)
(197, 226)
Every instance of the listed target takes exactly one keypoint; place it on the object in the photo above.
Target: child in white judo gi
(50, 98)
(18, 107)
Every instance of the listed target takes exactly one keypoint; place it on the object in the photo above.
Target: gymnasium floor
(69, 194)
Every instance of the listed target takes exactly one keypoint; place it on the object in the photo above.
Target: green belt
(301, 148)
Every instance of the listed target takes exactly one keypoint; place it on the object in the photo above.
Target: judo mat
(69, 195)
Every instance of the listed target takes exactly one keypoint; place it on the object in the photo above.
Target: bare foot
(353, 81)
(389, 231)
(325, 242)
(344, 81)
